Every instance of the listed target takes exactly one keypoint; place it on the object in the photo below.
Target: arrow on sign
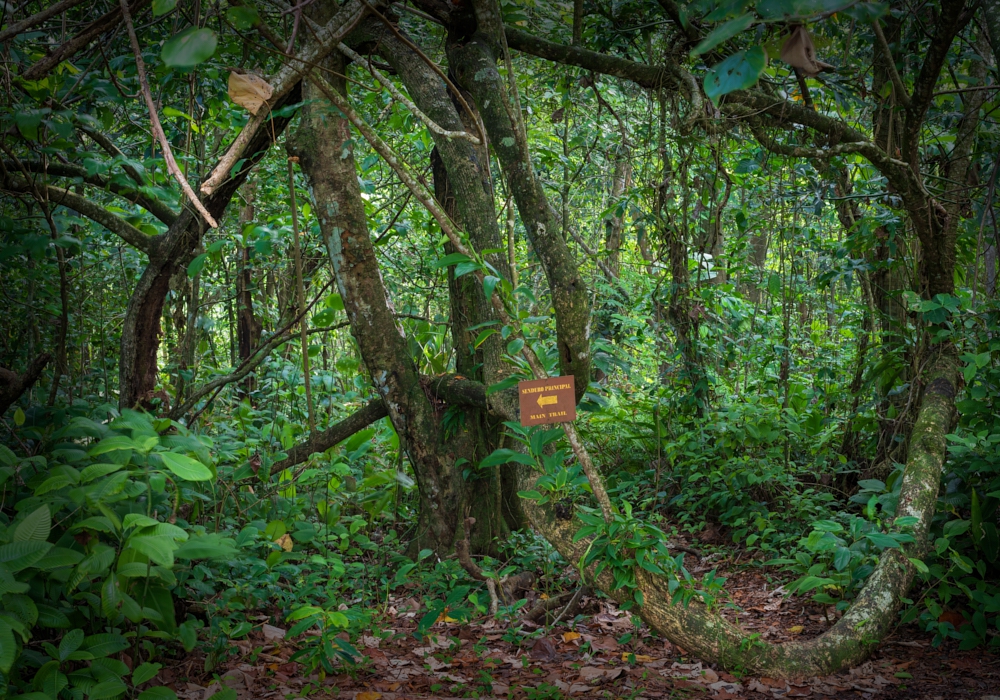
(546, 400)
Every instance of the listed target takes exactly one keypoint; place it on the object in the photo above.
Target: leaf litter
(600, 655)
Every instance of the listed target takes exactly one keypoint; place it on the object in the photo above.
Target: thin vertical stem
(301, 295)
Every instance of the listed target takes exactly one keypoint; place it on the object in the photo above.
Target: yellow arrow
(546, 400)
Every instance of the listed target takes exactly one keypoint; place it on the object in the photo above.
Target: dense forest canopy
(271, 274)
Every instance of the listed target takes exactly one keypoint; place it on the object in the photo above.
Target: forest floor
(602, 655)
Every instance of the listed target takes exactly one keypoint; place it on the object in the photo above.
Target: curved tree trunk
(137, 371)
(870, 618)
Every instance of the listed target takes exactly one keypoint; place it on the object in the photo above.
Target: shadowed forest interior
(272, 273)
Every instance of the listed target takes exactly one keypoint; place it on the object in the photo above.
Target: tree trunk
(474, 64)
(12, 385)
(140, 340)
(324, 146)
(463, 185)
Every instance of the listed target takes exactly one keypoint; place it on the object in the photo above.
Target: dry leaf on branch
(798, 51)
(249, 91)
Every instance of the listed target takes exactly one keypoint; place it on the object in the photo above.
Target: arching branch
(155, 207)
(95, 212)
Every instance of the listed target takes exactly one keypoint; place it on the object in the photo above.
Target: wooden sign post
(550, 400)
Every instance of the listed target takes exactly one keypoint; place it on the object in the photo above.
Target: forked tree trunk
(324, 145)
(706, 634)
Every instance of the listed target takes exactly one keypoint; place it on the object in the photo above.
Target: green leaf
(919, 565)
(105, 644)
(881, 541)
(20, 555)
(18, 417)
(159, 548)
(188, 636)
(185, 467)
(196, 265)
(505, 455)
(242, 17)
(224, 694)
(210, 546)
(112, 444)
(737, 72)
(162, 7)
(28, 121)
(58, 558)
(450, 259)
(70, 642)
(8, 647)
(723, 33)
(775, 10)
(106, 690)
(35, 527)
(867, 12)
(515, 346)
(189, 48)
(507, 383)
(158, 693)
(489, 285)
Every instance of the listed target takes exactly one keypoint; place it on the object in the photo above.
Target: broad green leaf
(19, 417)
(106, 690)
(737, 72)
(8, 647)
(58, 558)
(158, 548)
(723, 33)
(20, 555)
(35, 527)
(881, 541)
(503, 456)
(145, 672)
(70, 642)
(210, 546)
(185, 467)
(196, 265)
(775, 10)
(162, 7)
(189, 48)
(242, 17)
(105, 644)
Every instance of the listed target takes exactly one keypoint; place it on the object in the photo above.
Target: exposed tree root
(705, 633)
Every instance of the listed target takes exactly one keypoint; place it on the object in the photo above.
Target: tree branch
(35, 19)
(65, 51)
(112, 150)
(373, 411)
(12, 385)
(153, 206)
(117, 225)
(890, 63)
(154, 121)
(287, 78)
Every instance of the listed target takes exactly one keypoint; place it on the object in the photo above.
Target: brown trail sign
(550, 400)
